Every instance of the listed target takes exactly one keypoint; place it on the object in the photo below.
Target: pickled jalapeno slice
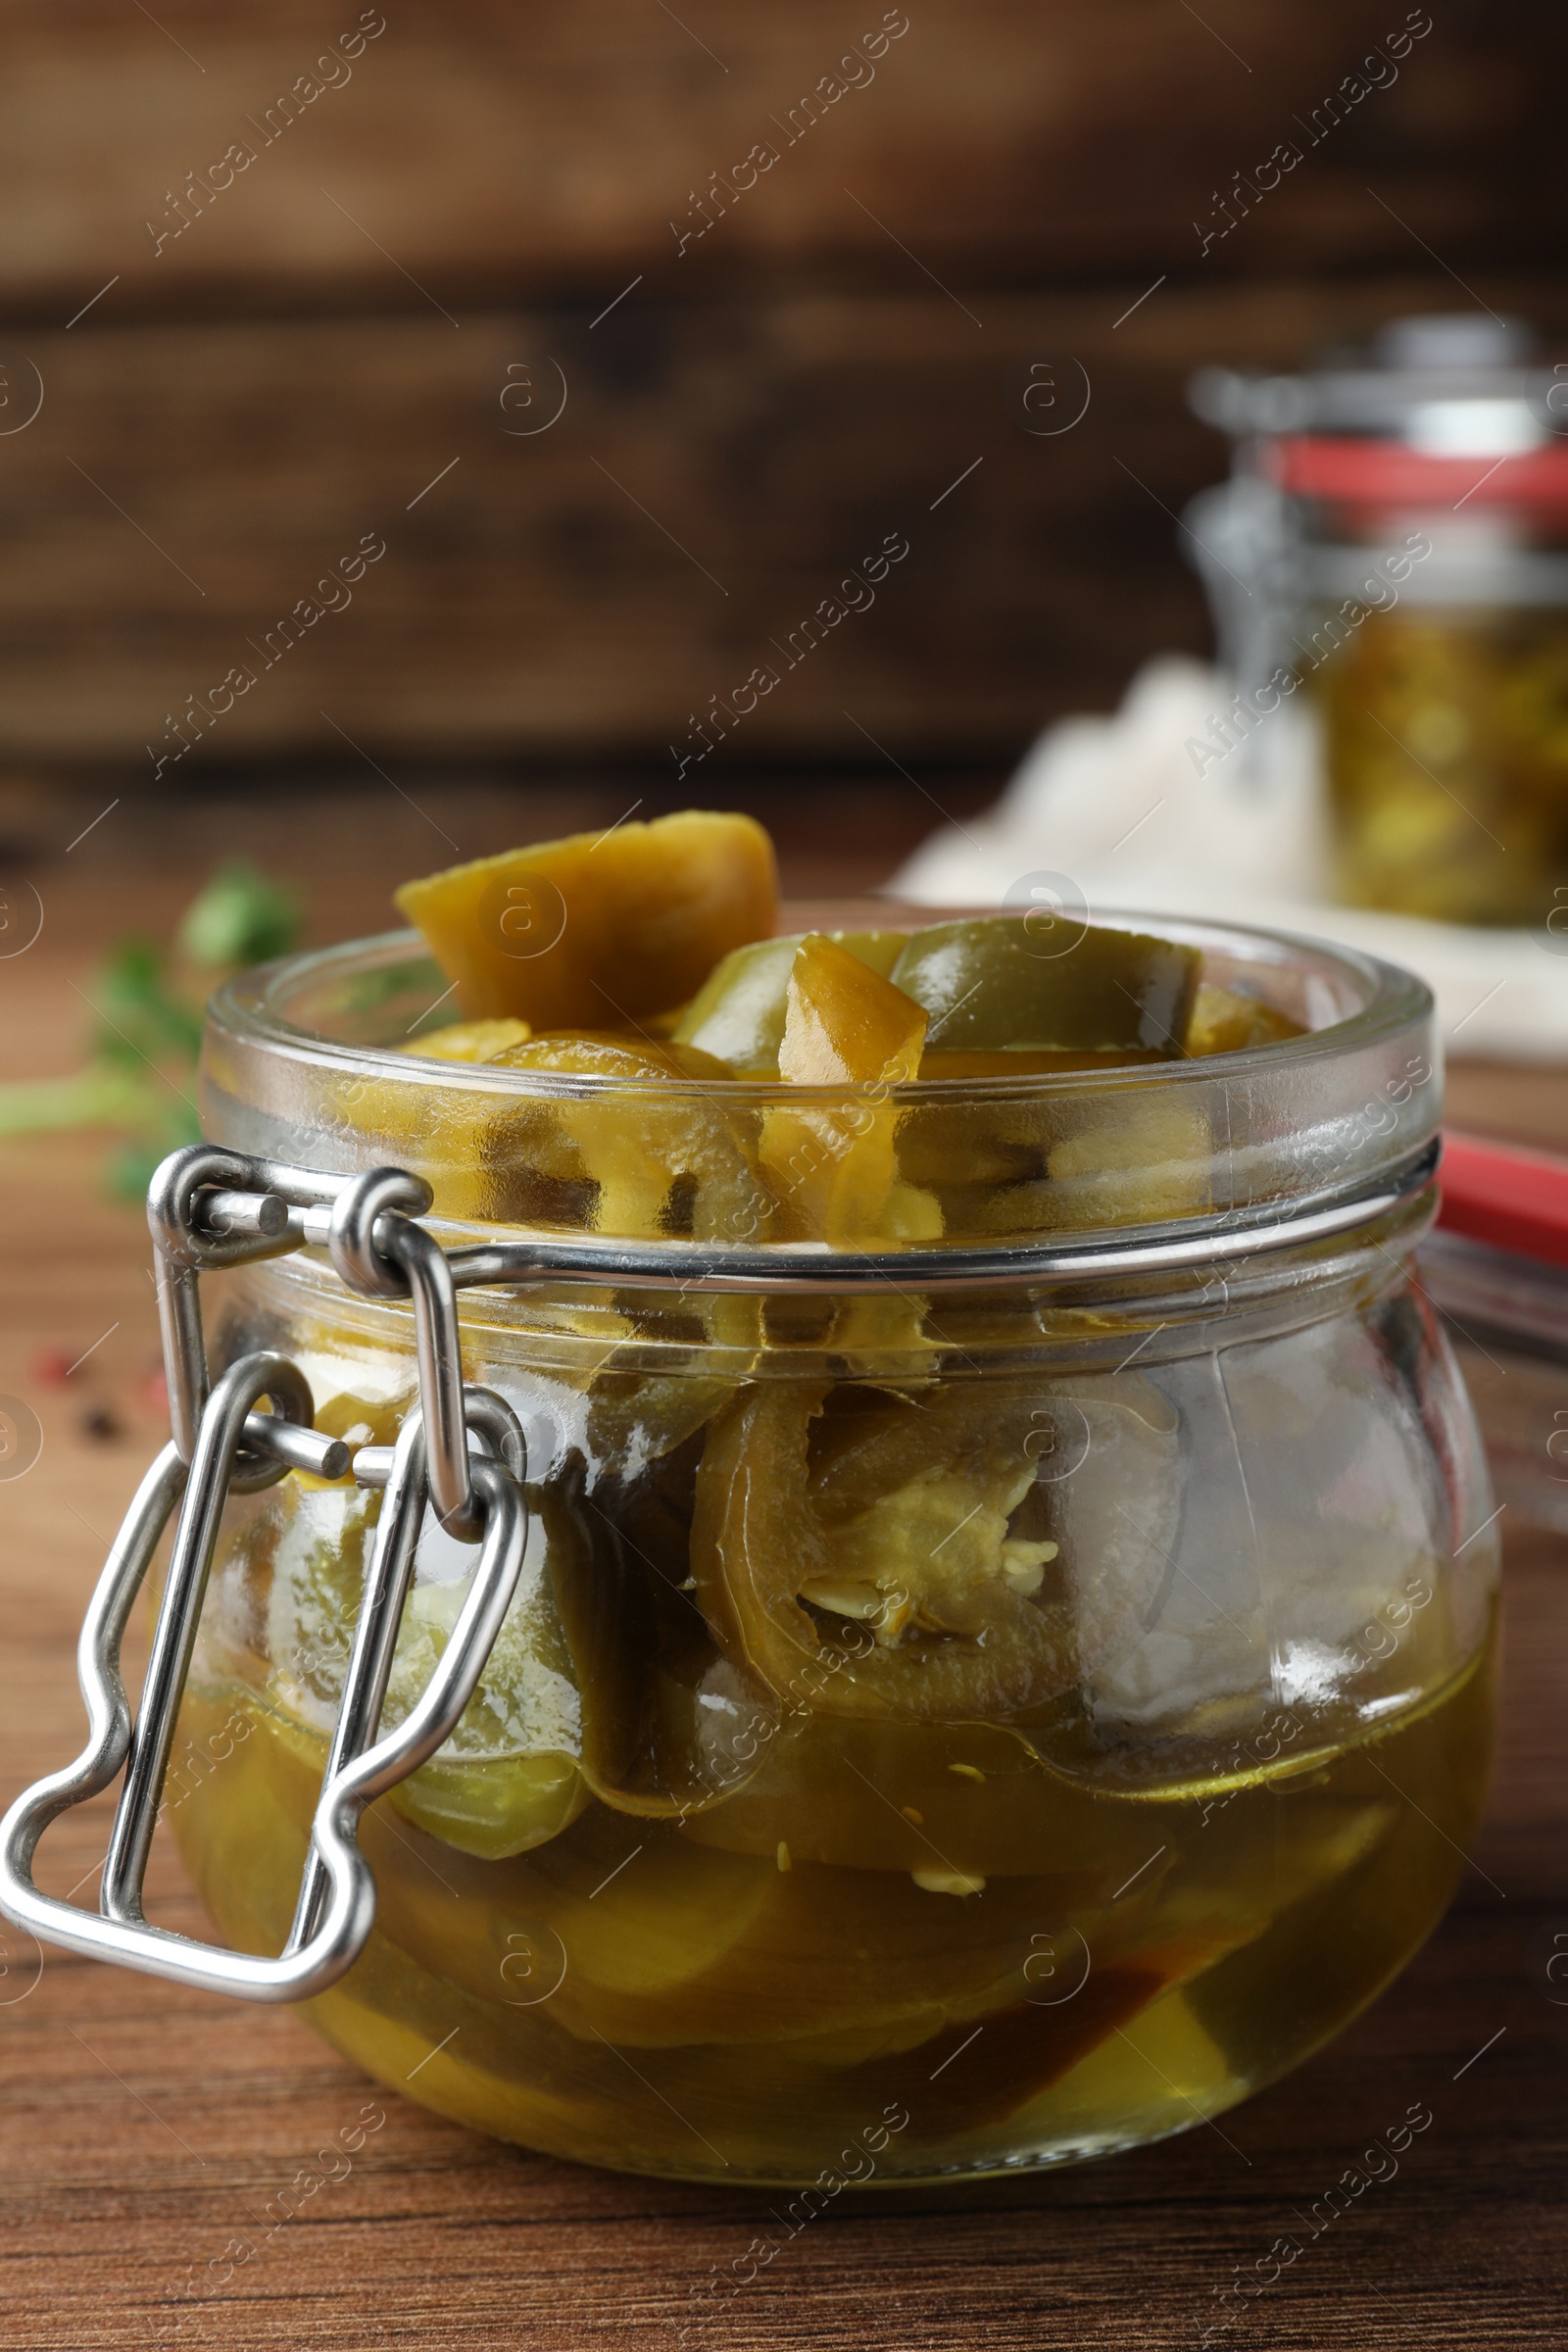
(602, 927)
(470, 1040)
(913, 1592)
(997, 1004)
(988, 984)
(739, 1012)
(834, 1168)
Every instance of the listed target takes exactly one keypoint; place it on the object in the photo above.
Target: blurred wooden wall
(473, 213)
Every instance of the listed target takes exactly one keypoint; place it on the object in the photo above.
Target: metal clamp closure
(336, 1905)
(210, 1209)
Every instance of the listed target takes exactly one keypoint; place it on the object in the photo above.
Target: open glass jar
(958, 1722)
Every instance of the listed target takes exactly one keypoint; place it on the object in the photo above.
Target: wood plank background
(144, 2128)
(323, 350)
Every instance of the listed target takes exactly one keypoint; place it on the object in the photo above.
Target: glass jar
(940, 1730)
(1394, 538)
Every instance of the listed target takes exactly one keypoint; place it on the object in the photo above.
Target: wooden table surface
(142, 2129)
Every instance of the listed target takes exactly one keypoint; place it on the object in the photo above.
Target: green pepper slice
(987, 985)
(738, 1014)
(959, 1555)
(918, 1603)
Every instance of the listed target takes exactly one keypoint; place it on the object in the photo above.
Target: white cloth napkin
(1126, 812)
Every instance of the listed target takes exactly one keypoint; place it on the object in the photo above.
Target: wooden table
(145, 2127)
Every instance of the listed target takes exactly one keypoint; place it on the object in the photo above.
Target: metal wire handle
(210, 1209)
(337, 1899)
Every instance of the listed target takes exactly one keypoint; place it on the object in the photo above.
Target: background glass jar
(936, 1732)
(1396, 535)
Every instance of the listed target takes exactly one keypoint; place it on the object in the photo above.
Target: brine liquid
(706, 1999)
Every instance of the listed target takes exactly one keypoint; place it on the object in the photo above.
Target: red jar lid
(1504, 1194)
(1388, 473)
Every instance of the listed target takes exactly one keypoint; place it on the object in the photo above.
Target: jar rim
(251, 1008)
(303, 1066)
